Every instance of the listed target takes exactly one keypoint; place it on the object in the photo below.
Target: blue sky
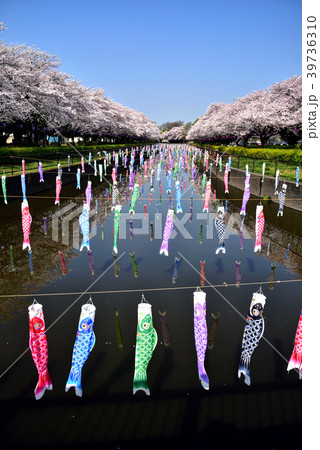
(168, 59)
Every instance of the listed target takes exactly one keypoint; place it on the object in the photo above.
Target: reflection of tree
(275, 240)
(45, 251)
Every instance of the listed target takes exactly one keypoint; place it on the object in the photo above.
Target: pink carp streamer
(113, 175)
(225, 179)
(26, 224)
(58, 190)
(295, 361)
(39, 348)
(259, 227)
(167, 232)
(207, 197)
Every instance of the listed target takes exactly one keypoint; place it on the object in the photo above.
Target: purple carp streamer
(200, 334)
(167, 232)
(246, 195)
(88, 193)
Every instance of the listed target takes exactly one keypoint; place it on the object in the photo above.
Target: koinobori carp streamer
(295, 361)
(200, 334)
(146, 342)
(167, 232)
(259, 227)
(84, 343)
(39, 348)
(253, 332)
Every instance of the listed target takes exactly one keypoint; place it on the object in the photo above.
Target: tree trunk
(17, 136)
(3, 139)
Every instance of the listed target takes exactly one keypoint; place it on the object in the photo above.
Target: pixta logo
(65, 225)
(155, 223)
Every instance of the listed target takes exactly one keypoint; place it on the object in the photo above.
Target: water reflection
(213, 330)
(51, 257)
(56, 236)
(172, 375)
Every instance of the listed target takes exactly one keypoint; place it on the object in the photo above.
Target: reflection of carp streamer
(164, 328)
(119, 333)
(238, 273)
(272, 276)
(134, 265)
(115, 265)
(213, 330)
(202, 273)
(175, 269)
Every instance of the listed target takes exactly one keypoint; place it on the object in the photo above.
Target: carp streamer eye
(37, 326)
(146, 325)
(85, 326)
(255, 312)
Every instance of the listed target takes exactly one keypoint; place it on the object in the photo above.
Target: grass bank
(275, 158)
(11, 157)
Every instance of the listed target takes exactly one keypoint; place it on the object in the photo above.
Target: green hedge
(67, 150)
(279, 154)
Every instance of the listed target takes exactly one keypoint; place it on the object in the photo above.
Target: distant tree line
(275, 111)
(38, 102)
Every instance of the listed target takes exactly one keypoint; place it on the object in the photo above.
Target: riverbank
(266, 189)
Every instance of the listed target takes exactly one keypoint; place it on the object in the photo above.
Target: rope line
(259, 199)
(58, 318)
(126, 291)
(236, 310)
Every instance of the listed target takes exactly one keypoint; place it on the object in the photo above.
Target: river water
(178, 411)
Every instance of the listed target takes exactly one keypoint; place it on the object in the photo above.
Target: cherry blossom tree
(175, 134)
(262, 113)
(37, 100)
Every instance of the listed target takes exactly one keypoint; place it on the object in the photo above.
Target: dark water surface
(231, 415)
